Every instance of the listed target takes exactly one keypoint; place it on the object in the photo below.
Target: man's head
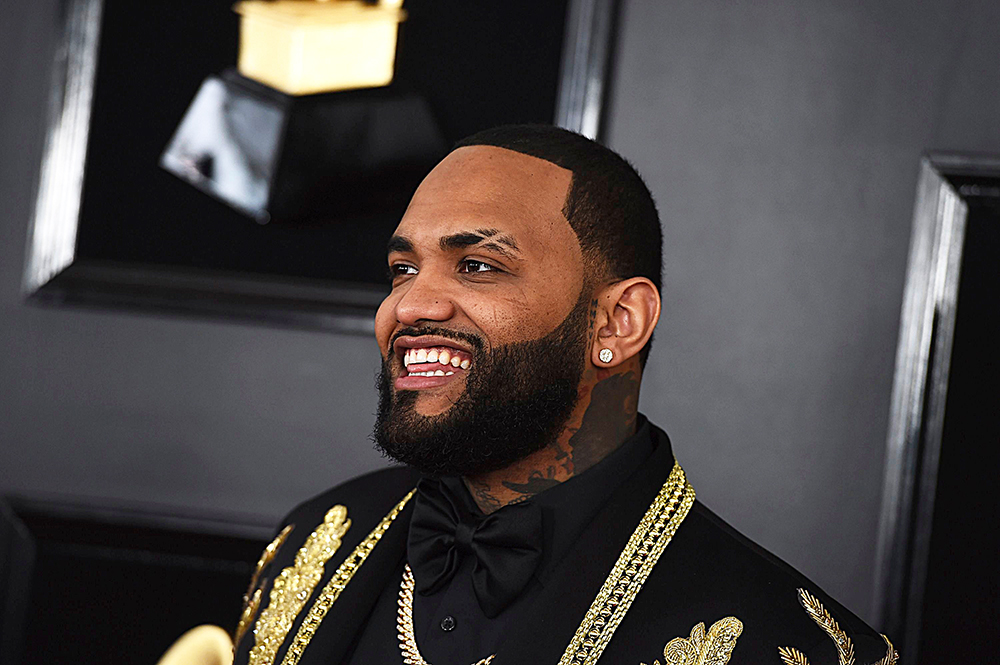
(526, 251)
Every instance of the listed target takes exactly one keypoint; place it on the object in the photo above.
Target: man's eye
(472, 266)
(400, 269)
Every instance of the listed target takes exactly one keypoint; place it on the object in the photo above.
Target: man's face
(487, 286)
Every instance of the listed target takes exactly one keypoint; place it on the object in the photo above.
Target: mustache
(475, 341)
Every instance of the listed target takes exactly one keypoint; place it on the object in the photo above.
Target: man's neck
(604, 417)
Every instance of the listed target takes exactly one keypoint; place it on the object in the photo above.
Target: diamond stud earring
(606, 355)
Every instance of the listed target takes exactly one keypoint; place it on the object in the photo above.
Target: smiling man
(536, 517)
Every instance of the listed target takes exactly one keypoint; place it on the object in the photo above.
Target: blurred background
(782, 142)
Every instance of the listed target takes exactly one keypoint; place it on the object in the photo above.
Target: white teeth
(431, 373)
(443, 357)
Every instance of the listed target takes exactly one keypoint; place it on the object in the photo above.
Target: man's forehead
(489, 188)
(492, 162)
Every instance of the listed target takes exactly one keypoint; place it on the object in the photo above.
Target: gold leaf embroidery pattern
(891, 656)
(292, 588)
(331, 592)
(845, 648)
(713, 648)
(250, 606)
(251, 600)
(790, 656)
(818, 613)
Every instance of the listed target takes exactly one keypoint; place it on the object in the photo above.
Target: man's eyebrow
(470, 238)
(499, 237)
(399, 244)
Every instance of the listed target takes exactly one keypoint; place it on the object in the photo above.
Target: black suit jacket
(706, 573)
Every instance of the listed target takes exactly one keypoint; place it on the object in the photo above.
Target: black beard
(517, 400)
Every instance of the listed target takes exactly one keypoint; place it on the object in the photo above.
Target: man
(538, 518)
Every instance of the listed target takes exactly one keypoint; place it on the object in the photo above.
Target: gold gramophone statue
(307, 128)
(302, 47)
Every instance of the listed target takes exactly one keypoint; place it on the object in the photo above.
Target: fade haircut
(608, 205)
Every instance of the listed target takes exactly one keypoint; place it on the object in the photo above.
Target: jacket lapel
(542, 634)
(346, 617)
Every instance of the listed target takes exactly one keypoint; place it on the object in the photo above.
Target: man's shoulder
(314, 539)
(367, 498)
(725, 575)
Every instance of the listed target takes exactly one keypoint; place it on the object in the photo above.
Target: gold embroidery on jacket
(891, 656)
(790, 656)
(250, 606)
(845, 648)
(643, 550)
(293, 586)
(251, 599)
(332, 590)
(713, 648)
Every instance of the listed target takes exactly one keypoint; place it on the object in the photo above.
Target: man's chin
(432, 402)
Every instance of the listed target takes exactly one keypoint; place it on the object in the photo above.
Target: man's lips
(403, 342)
(419, 382)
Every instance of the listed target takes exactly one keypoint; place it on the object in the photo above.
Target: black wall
(782, 141)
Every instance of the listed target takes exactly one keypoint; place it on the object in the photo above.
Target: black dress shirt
(449, 625)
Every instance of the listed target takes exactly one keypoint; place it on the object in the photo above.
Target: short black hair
(608, 205)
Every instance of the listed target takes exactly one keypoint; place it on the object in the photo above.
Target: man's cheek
(384, 324)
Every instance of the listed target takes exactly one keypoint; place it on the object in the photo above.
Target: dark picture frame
(61, 266)
(956, 195)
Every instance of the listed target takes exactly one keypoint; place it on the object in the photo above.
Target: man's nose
(426, 299)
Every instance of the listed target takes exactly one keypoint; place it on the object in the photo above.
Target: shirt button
(448, 623)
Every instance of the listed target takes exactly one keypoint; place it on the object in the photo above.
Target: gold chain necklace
(404, 624)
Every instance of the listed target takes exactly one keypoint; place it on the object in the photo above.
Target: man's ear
(629, 310)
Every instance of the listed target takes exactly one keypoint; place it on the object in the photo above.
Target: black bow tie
(506, 544)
